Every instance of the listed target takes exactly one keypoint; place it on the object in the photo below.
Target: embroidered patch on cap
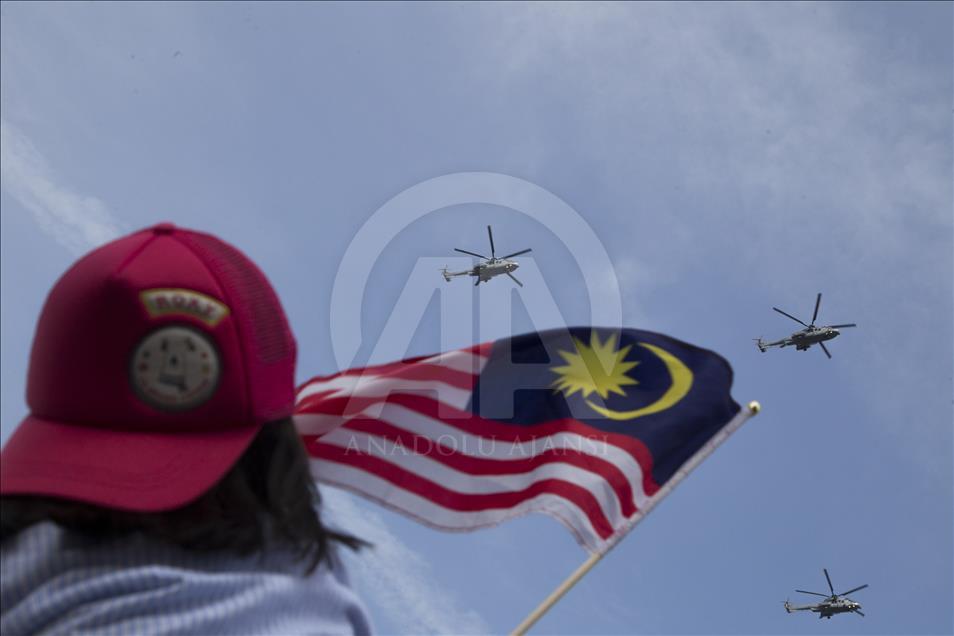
(175, 368)
(183, 302)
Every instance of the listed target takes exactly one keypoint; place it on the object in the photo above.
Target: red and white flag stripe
(401, 434)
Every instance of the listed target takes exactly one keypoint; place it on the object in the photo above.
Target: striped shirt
(54, 582)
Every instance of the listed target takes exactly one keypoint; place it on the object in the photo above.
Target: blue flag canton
(670, 395)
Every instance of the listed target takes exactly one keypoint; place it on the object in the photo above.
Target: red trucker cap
(157, 358)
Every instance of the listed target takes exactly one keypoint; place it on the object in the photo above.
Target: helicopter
(833, 604)
(808, 336)
(493, 266)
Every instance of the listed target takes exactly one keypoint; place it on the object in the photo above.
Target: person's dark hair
(268, 497)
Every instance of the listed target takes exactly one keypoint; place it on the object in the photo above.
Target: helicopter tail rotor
(760, 344)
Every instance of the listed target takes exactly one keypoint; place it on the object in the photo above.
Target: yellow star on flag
(598, 368)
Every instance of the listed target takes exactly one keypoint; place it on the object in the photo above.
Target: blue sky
(728, 157)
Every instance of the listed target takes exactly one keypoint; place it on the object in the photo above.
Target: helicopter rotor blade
(825, 570)
(514, 279)
(491, 235)
(789, 316)
(516, 253)
(843, 326)
(456, 249)
(817, 303)
(813, 593)
(861, 587)
(825, 349)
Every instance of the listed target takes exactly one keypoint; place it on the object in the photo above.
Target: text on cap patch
(183, 302)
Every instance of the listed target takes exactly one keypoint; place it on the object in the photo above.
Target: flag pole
(740, 418)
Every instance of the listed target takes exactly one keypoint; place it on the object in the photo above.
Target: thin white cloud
(779, 105)
(395, 577)
(818, 156)
(75, 221)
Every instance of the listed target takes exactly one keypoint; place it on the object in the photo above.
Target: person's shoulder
(270, 592)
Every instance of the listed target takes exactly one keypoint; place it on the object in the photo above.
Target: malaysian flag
(591, 426)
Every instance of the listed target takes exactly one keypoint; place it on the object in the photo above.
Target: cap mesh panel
(258, 314)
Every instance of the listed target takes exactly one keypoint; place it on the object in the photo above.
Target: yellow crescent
(681, 383)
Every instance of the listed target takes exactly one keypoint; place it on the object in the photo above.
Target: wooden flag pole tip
(754, 407)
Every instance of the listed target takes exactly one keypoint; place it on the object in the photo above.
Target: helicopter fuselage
(485, 271)
(805, 338)
(828, 608)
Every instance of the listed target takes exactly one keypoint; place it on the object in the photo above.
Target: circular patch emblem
(175, 369)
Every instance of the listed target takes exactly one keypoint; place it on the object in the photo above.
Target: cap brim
(144, 471)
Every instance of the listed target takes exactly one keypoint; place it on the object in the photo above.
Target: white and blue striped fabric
(53, 582)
